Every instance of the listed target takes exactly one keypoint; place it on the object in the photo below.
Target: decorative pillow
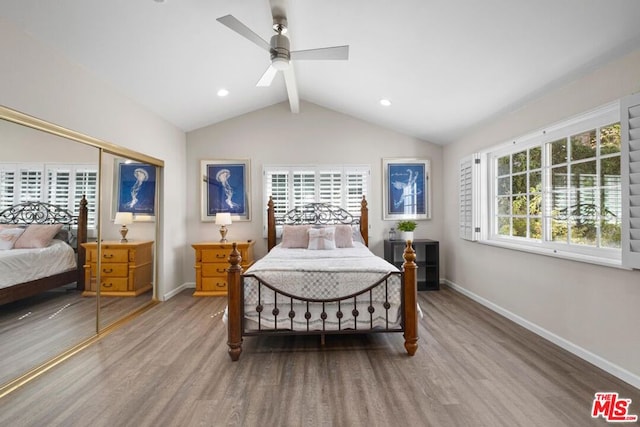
(357, 236)
(322, 238)
(295, 236)
(8, 237)
(37, 236)
(344, 237)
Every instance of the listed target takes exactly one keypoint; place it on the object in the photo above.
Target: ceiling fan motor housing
(280, 55)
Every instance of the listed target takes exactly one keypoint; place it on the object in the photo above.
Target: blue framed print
(226, 188)
(135, 189)
(406, 189)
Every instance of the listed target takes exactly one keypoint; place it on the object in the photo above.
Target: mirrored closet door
(87, 191)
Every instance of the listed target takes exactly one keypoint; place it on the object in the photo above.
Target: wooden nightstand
(212, 261)
(126, 268)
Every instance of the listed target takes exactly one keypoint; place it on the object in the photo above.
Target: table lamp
(124, 219)
(223, 219)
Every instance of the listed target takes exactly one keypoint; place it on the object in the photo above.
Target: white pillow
(322, 238)
(8, 237)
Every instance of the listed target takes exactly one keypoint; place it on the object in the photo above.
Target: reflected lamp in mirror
(223, 219)
(124, 219)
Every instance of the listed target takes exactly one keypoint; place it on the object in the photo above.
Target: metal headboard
(317, 214)
(37, 213)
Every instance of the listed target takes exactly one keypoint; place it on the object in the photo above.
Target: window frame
(345, 170)
(595, 119)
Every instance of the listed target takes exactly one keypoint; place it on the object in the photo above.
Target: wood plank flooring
(169, 367)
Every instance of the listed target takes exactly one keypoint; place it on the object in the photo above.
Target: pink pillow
(37, 236)
(8, 237)
(344, 236)
(295, 236)
(322, 238)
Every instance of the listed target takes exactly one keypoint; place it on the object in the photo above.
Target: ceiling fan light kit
(280, 50)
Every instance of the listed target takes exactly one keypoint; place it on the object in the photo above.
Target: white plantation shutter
(86, 184)
(7, 187)
(357, 183)
(294, 186)
(630, 172)
(30, 185)
(329, 187)
(468, 198)
(58, 187)
(304, 188)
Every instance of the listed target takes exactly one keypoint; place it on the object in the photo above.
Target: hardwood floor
(169, 367)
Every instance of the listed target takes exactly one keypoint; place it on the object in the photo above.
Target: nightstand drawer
(114, 284)
(216, 254)
(214, 284)
(215, 270)
(108, 269)
(109, 255)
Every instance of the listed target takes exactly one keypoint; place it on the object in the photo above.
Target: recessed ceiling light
(385, 102)
(159, 1)
(222, 93)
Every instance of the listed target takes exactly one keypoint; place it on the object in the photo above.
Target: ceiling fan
(281, 55)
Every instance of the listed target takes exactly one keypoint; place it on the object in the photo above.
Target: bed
(309, 290)
(28, 271)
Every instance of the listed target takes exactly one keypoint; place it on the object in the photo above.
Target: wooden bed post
(81, 238)
(234, 307)
(410, 300)
(271, 225)
(364, 221)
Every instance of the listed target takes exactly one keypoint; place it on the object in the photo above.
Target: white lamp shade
(123, 218)
(223, 218)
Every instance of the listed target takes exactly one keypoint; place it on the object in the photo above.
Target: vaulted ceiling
(445, 65)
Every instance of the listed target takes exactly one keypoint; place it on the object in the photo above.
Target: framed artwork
(225, 188)
(406, 191)
(135, 189)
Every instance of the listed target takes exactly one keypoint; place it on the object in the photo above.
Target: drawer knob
(107, 270)
(107, 285)
(221, 285)
(220, 256)
(221, 270)
(107, 255)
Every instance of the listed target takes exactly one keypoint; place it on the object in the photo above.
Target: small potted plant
(406, 229)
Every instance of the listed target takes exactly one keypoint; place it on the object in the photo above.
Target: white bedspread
(23, 265)
(322, 274)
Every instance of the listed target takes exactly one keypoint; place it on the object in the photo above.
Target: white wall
(38, 81)
(314, 136)
(589, 308)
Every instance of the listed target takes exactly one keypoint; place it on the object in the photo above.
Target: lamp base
(123, 232)
(223, 234)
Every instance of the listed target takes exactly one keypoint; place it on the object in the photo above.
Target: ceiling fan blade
(237, 26)
(278, 8)
(335, 52)
(267, 77)
(292, 89)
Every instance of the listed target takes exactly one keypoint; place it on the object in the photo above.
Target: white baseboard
(176, 291)
(582, 353)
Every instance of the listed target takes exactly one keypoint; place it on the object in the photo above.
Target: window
(60, 185)
(556, 191)
(294, 186)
